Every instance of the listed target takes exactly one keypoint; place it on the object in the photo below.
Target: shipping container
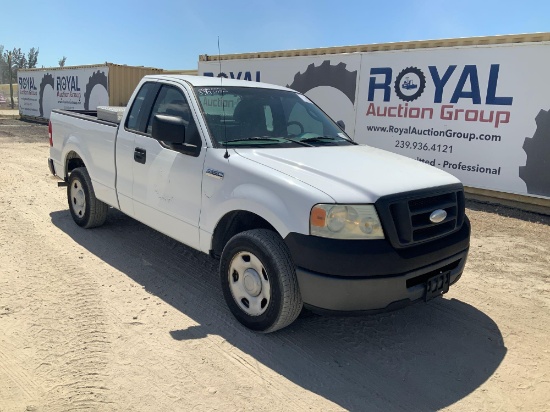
(77, 87)
(478, 107)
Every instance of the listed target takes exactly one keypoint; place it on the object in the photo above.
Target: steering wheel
(300, 125)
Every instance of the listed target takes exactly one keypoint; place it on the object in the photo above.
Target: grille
(406, 217)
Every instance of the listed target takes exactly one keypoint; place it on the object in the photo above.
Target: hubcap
(249, 283)
(78, 198)
(252, 282)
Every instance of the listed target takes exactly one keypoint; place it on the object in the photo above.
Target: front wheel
(259, 281)
(87, 211)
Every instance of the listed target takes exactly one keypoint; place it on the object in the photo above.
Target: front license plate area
(437, 285)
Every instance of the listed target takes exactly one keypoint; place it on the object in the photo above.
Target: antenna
(226, 155)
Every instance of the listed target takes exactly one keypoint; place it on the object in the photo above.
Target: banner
(40, 91)
(479, 113)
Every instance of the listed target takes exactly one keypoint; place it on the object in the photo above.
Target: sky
(170, 34)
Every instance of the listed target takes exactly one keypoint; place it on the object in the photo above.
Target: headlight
(345, 222)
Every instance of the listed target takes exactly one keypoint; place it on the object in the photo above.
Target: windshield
(252, 117)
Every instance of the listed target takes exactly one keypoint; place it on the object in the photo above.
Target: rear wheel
(259, 281)
(86, 210)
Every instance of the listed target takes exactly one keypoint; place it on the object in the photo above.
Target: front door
(166, 188)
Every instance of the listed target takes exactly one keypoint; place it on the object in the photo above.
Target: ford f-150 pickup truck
(262, 179)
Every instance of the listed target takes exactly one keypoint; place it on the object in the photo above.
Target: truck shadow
(425, 357)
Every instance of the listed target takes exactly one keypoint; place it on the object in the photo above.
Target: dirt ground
(122, 318)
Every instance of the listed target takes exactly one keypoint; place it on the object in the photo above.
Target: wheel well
(232, 224)
(73, 161)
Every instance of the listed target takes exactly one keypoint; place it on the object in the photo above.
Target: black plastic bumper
(371, 275)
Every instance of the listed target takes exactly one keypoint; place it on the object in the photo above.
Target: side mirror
(169, 129)
(341, 124)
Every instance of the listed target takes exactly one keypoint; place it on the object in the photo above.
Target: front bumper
(379, 294)
(372, 276)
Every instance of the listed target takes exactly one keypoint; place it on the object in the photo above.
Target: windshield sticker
(209, 91)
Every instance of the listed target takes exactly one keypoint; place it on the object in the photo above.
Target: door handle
(140, 155)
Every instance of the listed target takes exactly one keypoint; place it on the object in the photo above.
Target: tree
(12, 61)
(62, 61)
(19, 60)
(32, 58)
(9, 61)
(3, 66)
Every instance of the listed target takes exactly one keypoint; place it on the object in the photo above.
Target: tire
(86, 210)
(259, 281)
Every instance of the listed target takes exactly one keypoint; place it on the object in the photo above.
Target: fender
(73, 144)
(104, 192)
(284, 216)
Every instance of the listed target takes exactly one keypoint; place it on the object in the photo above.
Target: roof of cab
(215, 81)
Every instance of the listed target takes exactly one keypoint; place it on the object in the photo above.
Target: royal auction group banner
(481, 113)
(40, 91)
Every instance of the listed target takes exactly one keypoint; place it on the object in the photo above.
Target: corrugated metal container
(183, 72)
(77, 87)
(123, 81)
(407, 45)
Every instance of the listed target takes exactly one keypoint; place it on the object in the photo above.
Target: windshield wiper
(267, 138)
(327, 138)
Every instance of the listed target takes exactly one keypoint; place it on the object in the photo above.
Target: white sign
(467, 111)
(69, 89)
(480, 113)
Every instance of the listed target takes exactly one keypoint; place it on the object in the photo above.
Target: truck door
(166, 189)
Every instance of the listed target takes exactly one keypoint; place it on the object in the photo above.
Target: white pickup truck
(259, 177)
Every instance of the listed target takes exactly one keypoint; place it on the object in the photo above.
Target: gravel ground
(124, 318)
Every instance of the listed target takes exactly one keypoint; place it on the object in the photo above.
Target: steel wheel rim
(249, 283)
(78, 198)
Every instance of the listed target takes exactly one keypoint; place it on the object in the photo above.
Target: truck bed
(95, 141)
(88, 115)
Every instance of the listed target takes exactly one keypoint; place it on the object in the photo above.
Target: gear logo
(47, 80)
(410, 84)
(336, 76)
(97, 78)
(536, 172)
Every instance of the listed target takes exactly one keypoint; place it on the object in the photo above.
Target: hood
(351, 174)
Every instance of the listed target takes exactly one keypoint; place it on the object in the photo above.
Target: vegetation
(12, 61)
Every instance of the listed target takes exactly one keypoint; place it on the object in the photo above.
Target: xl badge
(214, 173)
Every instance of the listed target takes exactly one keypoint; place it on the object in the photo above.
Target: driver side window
(172, 102)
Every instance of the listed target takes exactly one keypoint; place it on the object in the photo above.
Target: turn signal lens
(318, 217)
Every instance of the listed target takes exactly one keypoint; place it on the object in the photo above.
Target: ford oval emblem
(438, 216)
